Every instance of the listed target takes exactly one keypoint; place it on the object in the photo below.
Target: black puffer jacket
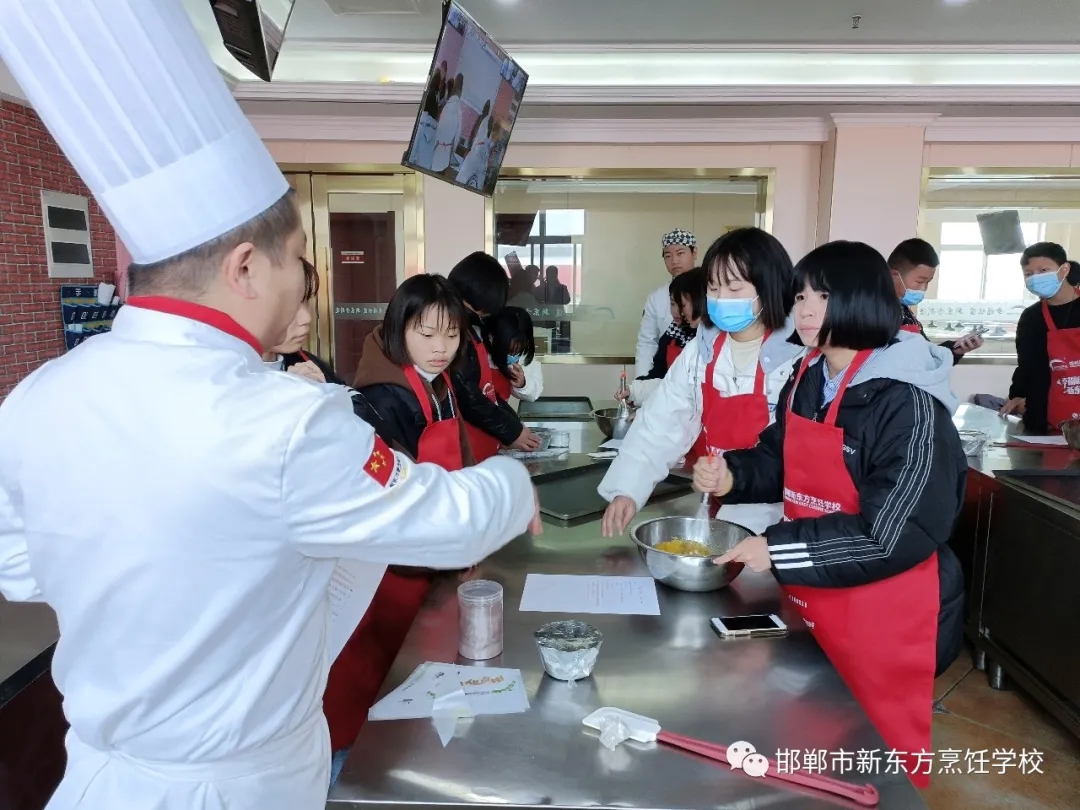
(384, 399)
(906, 460)
(295, 358)
(497, 419)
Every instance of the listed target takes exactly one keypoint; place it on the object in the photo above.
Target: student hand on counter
(308, 370)
(711, 474)
(526, 440)
(1016, 405)
(617, 516)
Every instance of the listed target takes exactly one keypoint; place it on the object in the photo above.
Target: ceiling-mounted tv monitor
(253, 31)
(469, 106)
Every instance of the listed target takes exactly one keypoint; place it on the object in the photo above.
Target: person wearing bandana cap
(679, 251)
(188, 558)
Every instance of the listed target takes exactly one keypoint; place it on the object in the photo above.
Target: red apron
(365, 660)
(493, 384)
(881, 637)
(1063, 348)
(911, 327)
(671, 354)
(730, 423)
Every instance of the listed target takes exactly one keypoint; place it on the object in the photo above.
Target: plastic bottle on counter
(480, 619)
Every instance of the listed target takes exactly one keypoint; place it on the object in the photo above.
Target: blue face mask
(513, 359)
(731, 314)
(912, 298)
(1044, 285)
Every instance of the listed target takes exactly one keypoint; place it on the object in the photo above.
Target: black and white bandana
(681, 333)
(678, 237)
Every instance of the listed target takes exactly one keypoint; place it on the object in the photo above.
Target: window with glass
(584, 254)
(973, 289)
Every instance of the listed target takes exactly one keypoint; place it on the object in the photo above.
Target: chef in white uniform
(188, 557)
(679, 251)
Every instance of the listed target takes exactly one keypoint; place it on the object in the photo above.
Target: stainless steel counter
(28, 634)
(778, 694)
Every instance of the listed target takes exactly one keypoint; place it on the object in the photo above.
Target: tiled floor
(977, 718)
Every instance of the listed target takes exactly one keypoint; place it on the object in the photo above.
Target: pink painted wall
(876, 185)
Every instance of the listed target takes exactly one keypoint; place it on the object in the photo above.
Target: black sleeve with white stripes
(909, 496)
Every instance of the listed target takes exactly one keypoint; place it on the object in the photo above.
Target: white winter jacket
(670, 420)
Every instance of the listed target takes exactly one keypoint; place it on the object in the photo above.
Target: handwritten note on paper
(559, 593)
(351, 589)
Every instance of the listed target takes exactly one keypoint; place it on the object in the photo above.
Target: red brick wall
(31, 330)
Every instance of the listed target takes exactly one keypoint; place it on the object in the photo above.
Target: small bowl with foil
(568, 649)
(681, 552)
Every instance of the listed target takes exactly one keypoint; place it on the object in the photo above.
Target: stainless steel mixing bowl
(605, 420)
(694, 574)
(1070, 429)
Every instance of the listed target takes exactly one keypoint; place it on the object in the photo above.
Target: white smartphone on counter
(763, 625)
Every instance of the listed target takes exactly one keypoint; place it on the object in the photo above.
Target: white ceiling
(688, 51)
(552, 22)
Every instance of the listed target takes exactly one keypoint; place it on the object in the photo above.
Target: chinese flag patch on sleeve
(380, 464)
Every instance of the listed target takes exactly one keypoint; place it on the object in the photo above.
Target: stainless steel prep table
(778, 694)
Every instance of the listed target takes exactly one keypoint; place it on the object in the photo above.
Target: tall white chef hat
(129, 92)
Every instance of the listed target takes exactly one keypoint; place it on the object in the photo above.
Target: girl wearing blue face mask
(1044, 388)
(512, 348)
(721, 391)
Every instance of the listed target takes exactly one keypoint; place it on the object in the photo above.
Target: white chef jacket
(669, 422)
(181, 506)
(655, 320)
(447, 134)
(534, 382)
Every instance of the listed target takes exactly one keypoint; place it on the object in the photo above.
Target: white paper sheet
(351, 589)
(623, 596)
(448, 689)
(1049, 440)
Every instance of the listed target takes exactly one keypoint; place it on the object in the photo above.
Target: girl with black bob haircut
(403, 391)
(403, 379)
(870, 469)
(483, 285)
(513, 351)
(723, 388)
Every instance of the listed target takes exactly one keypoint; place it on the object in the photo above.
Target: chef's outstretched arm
(908, 503)
(16, 581)
(346, 494)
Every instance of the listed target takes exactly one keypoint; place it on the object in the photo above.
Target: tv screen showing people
(471, 101)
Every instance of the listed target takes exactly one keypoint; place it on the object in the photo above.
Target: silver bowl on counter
(1070, 429)
(682, 572)
(610, 426)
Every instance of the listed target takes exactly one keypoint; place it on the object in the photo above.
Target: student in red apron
(872, 475)
(482, 284)
(688, 293)
(403, 390)
(913, 264)
(1046, 384)
(513, 353)
(723, 388)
